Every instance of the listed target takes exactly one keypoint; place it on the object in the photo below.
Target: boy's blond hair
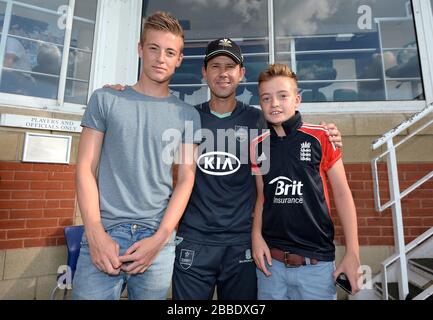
(277, 70)
(162, 21)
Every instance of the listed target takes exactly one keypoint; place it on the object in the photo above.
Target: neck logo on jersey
(218, 163)
(287, 191)
(305, 153)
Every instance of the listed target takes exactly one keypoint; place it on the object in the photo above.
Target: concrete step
(414, 290)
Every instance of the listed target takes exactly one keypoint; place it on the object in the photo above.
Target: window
(342, 50)
(38, 60)
(350, 50)
(203, 21)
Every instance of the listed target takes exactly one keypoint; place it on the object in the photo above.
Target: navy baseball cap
(224, 46)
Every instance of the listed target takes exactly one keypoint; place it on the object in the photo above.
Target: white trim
(5, 32)
(96, 49)
(363, 107)
(35, 103)
(271, 32)
(115, 60)
(65, 54)
(115, 56)
(423, 16)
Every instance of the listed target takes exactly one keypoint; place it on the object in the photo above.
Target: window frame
(59, 104)
(107, 68)
(422, 19)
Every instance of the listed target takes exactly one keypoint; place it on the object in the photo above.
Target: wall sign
(39, 123)
(47, 148)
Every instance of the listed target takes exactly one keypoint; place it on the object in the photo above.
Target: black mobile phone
(344, 283)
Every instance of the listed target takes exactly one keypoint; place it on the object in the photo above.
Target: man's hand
(334, 134)
(117, 87)
(139, 257)
(104, 251)
(260, 252)
(350, 265)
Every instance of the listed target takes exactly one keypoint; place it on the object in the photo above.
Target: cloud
(246, 9)
(305, 17)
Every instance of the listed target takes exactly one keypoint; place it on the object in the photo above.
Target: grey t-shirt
(141, 134)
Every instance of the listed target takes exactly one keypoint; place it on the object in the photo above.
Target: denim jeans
(91, 284)
(310, 282)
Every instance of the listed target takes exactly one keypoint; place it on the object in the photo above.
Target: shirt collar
(290, 125)
(239, 107)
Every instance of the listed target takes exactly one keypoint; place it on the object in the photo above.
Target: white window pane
(86, 9)
(2, 11)
(41, 61)
(46, 4)
(76, 92)
(243, 21)
(405, 90)
(82, 35)
(80, 54)
(78, 76)
(79, 64)
(37, 25)
(34, 50)
(214, 19)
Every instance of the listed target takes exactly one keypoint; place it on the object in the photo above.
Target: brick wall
(376, 228)
(38, 200)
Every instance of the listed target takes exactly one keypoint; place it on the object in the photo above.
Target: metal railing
(396, 195)
(389, 261)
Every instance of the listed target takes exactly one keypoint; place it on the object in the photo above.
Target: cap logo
(225, 43)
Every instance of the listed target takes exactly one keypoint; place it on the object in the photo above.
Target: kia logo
(218, 163)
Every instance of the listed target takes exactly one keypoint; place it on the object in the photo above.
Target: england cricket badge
(241, 133)
(186, 258)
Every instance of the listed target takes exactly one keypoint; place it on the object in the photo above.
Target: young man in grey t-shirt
(128, 205)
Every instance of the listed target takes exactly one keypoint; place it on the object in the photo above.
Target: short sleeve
(95, 115)
(191, 134)
(331, 154)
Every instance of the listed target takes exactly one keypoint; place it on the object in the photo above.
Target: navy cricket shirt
(296, 211)
(222, 201)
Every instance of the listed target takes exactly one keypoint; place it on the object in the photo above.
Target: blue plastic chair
(73, 235)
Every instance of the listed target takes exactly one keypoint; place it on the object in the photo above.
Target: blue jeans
(91, 284)
(310, 282)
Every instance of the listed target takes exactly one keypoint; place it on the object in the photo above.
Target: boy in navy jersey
(292, 230)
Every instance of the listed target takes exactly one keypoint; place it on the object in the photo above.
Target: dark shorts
(198, 268)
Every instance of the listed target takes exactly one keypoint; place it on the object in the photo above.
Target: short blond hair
(277, 70)
(162, 21)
